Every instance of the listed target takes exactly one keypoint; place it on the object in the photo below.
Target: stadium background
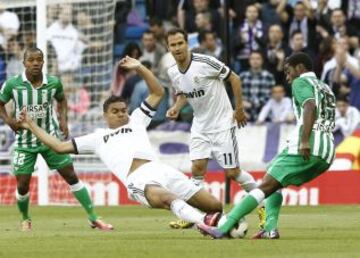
(83, 40)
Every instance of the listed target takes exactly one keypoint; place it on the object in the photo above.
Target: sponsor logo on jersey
(194, 94)
(37, 110)
(122, 130)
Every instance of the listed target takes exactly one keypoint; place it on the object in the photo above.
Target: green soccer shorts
(294, 170)
(24, 159)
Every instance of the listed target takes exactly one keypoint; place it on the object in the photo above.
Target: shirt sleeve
(85, 144)
(264, 112)
(59, 94)
(6, 92)
(143, 114)
(215, 68)
(302, 91)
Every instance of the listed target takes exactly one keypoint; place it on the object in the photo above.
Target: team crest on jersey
(196, 79)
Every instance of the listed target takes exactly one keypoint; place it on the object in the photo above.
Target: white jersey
(118, 147)
(202, 85)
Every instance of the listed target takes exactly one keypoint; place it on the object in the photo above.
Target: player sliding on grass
(36, 92)
(308, 154)
(126, 150)
(200, 81)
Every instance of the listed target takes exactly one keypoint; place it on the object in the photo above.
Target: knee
(22, 188)
(232, 173)
(198, 168)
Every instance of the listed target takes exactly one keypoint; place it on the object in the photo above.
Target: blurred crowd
(262, 34)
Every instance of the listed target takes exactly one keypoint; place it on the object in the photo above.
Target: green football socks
(272, 207)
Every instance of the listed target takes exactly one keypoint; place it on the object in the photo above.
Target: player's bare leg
(198, 171)
(82, 195)
(159, 197)
(248, 183)
(23, 200)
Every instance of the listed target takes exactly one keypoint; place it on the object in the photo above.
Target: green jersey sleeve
(302, 91)
(59, 94)
(6, 92)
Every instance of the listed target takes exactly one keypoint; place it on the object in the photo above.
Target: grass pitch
(326, 231)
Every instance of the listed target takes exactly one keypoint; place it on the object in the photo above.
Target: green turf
(327, 231)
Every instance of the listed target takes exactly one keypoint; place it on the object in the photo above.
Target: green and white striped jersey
(304, 88)
(38, 102)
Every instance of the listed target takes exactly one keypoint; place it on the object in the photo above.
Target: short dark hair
(32, 49)
(300, 58)
(148, 32)
(295, 32)
(175, 31)
(112, 99)
(337, 10)
(257, 52)
(155, 21)
(203, 33)
(343, 98)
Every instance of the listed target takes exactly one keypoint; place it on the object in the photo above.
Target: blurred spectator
(15, 52)
(238, 9)
(297, 44)
(164, 10)
(156, 27)
(352, 10)
(210, 45)
(303, 20)
(140, 93)
(249, 35)
(66, 40)
(257, 84)
(352, 73)
(323, 16)
(188, 9)
(9, 25)
(203, 22)
(122, 9)
(151, 50)
(338, 28)
(278, 109)
(347, 118)
(2, 66)
(121, 76)
(342, 44)
(274, 12)
(325, 53)
(275, 53)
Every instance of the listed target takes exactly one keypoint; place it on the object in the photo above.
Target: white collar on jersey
(308, 74)
(45, 81)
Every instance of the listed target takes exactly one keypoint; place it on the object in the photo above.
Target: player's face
(33, 63)
(342, 107)
(116, 115)
(290, 73)
(178, 47)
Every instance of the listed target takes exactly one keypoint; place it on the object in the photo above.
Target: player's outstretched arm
(49, 140)
(156, 91)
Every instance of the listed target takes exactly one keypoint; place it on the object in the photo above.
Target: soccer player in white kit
(199, 80)
(125, 149)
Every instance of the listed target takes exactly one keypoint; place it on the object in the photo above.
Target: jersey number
(227, 158)
(19, 158)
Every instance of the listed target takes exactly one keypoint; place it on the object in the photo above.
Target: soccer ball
(240, 229)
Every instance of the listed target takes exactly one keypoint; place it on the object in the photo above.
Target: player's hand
(304, 150)
(64, 127)
(14, 125)
(172, 113)
(23, 119)
(240, 117)
(129, 63)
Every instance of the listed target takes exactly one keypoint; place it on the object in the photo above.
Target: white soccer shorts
(157, 173)
(221, 146)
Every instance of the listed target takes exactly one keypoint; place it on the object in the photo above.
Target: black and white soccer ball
(239, 231)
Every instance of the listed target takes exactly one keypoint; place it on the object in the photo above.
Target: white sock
(258, 195)
(185, 212)
(198, 181)
(76, 187)
(21, 197)
(246, 181)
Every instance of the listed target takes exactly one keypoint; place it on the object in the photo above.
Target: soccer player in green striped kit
(36, 91)
(309, 152)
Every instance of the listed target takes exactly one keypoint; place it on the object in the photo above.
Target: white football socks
(185, 212)
(246, 181)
